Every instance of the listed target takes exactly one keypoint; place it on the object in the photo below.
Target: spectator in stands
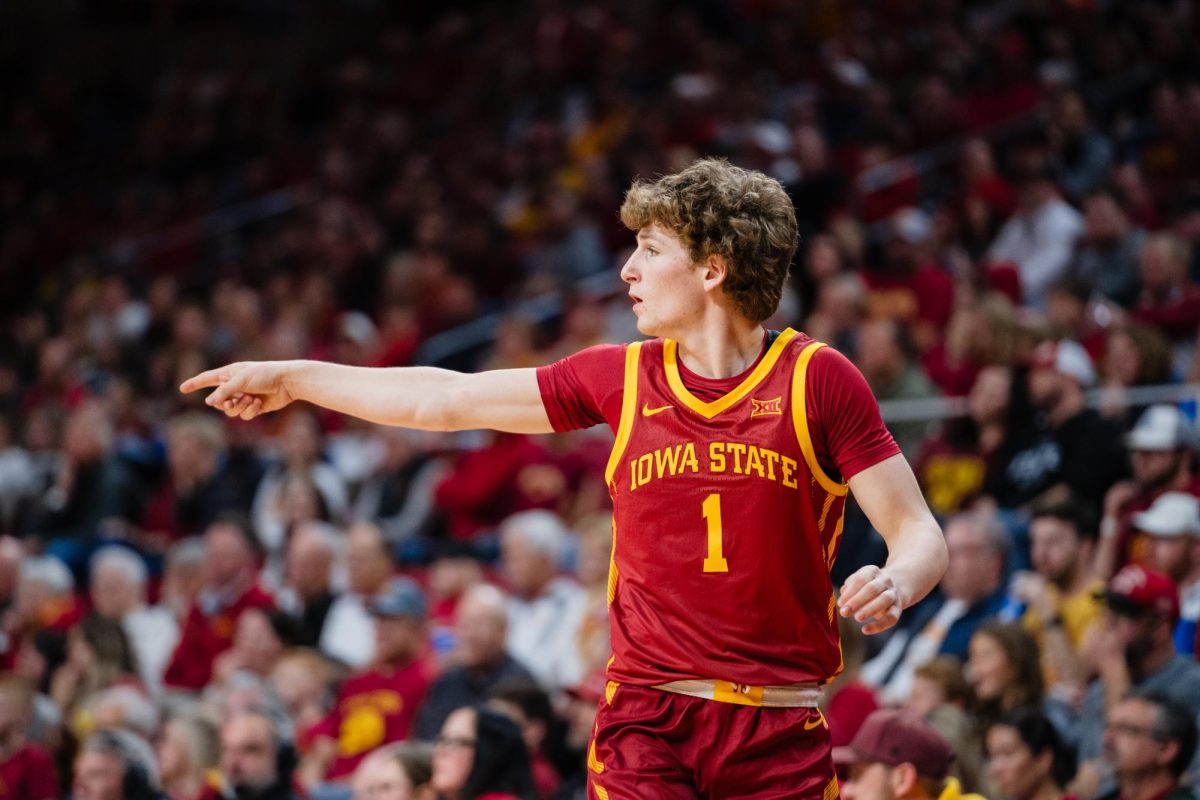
(1169, 300)
(970, 592)
(525, 702)
(378, 705)
(44, 599)
(398, 495)
(26, 769)
(186, 750)
(941, 696)
(898, 755)
(1060, 594)
(307, 591)
(1149, 740)
(1110, 249)
(1082, 156)
(1160, 447)
(118, 591)
(397, 772)
(884, 354)
(349, 631)
(479, 754)
(482, 659)
(1027, 759)
(99, 657)
(546, 609)
(303, 679)
(258, 756)
(115, 765)
(591, 569)
(195, 490)
(1133, 649)
(183, 576)
(1077, 450)
(1003, 670)
(94, 487)
(1134, 355)
(300, 444)
(259, 639)
(1172, 524)
(228, 590)
(1040, 237)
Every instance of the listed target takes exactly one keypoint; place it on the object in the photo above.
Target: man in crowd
(970, 592)
(349, 631)
(896, 755)
(306, 594)
(258, 757)
(1160, 448)
(118, 591)
(1060, 594)
(377, 706)
(229, 589)
(547, 609)
(1133, 648)
(1078, 450)
(1149, 741)
(1172, 525)
(482, 660)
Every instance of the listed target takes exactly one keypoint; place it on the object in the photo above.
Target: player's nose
(628, 273)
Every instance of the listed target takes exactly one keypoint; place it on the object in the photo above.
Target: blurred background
(999, 206)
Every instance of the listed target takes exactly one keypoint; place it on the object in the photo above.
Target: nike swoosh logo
(814, 723)
(647, 411)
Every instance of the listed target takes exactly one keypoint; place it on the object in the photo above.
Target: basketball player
(735, 449)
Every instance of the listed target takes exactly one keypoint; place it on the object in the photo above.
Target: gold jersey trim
(800, 421)
(710, 410)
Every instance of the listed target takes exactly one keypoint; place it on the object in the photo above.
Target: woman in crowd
(397, 772)
(1004, 670)
(1026, 758)
(480, 755)
(186, 750)
(98, 657)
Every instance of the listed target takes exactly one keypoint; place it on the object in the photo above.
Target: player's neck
(721, 347)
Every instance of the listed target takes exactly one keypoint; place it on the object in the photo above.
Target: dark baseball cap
(401, 598)
(895, 737)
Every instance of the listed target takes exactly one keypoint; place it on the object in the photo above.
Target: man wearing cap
(376, 706)
(1160, 447)
(896, 755)
(1077, 449)
(1133, 648)
(1172, 525)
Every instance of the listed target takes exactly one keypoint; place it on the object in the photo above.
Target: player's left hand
(872, 598)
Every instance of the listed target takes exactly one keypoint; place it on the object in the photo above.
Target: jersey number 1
(716, 545)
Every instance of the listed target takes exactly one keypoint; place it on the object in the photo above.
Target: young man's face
(666, 286)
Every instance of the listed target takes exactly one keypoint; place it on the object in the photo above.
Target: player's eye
(651, 251)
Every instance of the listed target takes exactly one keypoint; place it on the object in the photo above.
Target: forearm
(423, 398)
(916, 558)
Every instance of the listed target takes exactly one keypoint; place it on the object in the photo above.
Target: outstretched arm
(424, 398)
(889, 495)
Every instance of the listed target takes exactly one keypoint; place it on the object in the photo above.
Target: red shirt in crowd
(374, 708)
(28, 774)
(204, 637)
(723, 499)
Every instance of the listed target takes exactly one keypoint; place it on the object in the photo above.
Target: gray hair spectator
(547, 609)
(307, 592)
(1149, 741)
(348, 633)
(258, 754)
(115, 765)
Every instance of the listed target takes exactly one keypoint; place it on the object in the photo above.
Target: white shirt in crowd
(543, 633)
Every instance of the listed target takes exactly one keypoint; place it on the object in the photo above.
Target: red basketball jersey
(725, 527)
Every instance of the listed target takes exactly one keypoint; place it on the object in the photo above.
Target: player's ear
(716, 269)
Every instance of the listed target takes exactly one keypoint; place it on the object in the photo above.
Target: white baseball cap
(1172, 514)
(1161, 427)
(1068, 358)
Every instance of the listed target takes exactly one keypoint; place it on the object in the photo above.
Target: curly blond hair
(718, 209)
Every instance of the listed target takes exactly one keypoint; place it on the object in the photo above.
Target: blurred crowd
(1000, 206)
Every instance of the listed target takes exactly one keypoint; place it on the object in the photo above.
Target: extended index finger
(205, 380)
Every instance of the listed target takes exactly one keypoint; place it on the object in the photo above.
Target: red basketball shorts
(655, 745)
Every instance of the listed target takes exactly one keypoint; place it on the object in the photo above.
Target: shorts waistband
(797, 695)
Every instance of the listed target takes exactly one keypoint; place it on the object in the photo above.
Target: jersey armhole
(628, 410)
(800, 421)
